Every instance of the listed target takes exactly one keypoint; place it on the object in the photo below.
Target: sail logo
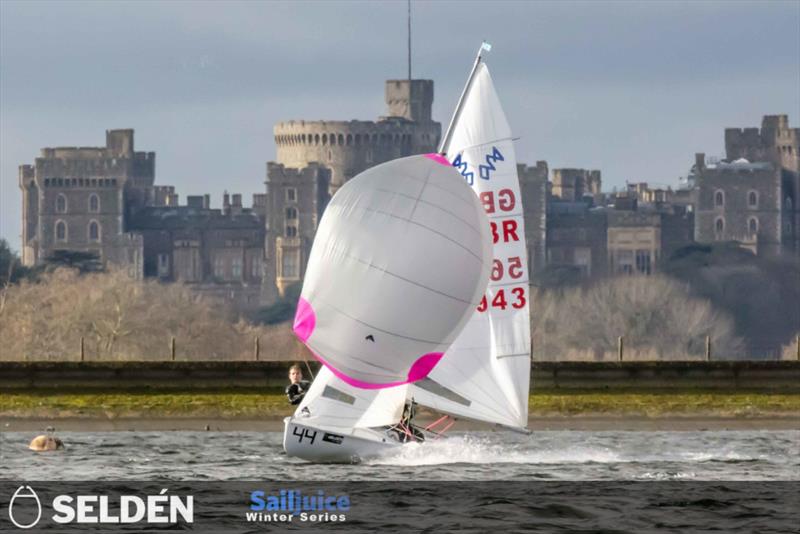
(491, 159)
(484, 171)
(461, 165)
(21, 499)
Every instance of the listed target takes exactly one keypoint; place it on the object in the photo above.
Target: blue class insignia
(485, 171)
(463, 168)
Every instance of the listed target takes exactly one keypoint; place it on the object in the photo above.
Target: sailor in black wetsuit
(298, 387)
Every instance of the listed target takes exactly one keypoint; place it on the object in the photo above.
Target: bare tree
(656, 316)
(120, 318)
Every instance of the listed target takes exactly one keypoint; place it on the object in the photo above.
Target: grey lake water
(550, 481)
(476, 456)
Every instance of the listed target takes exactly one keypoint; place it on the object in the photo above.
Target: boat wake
(470, 449)
(509, 449)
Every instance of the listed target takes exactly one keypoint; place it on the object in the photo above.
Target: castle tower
(74, 198)
(779, 145)
(410, 99)
(312, 155)
(350, 147)
(533, 188)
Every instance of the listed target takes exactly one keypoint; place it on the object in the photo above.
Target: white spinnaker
(334, 405)
(485, 374)
(401, 258)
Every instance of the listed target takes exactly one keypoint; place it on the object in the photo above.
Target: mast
(457, 113)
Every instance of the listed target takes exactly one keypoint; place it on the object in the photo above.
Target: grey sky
(633, 89)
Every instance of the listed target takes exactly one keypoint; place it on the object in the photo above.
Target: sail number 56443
(515, 298)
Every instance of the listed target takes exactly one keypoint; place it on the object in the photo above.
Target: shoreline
(536, 423)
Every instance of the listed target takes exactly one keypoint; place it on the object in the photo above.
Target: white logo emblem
(20, 494)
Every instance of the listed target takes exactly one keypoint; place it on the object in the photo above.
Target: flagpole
(457, 113)
(409, 43)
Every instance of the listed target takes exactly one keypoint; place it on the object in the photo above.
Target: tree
(761, 295)
(84, 262)
(11, 268)
(657, 316)
(121, 318)
(283, 310)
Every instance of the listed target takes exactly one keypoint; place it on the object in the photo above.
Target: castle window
(752, 199)
(316, 139)
(236, 268)
(163, 265)
(719, 227)
(643, 261)
(291, 194)
(349, 139)
(330, 155)
(358, 139)
(719, 199)
(291, 230)
(61, 204)
(94, 203)
(94, 231)
(341, 139)
(624, 261)
(61, 231)
(47, 182)
(291, 214)
(290, 264)
(219, 267)
(752, 225)
(303, 138)
(255, 267)
(324, 139)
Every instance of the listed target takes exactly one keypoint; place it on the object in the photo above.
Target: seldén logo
(23, 501)
(25, 509)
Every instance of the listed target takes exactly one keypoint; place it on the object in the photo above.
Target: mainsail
(485, 374)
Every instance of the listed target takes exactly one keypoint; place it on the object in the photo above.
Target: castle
(104, 200)
(315, 158)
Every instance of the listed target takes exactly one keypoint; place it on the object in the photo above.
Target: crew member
(298, 387)
(405, 430)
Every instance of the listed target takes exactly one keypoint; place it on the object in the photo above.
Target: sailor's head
(295, 374)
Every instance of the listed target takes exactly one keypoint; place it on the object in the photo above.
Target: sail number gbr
(503, 298)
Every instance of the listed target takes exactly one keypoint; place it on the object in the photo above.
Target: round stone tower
(349, 147)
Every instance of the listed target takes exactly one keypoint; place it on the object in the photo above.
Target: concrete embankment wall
(777, 375)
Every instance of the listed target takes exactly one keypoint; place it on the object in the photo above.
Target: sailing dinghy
(395, 302)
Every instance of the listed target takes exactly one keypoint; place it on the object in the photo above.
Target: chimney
(236, 205)
(700, 161)
(206, 201)
(226, 203)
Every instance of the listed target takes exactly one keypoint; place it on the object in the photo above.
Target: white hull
(324, 446)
